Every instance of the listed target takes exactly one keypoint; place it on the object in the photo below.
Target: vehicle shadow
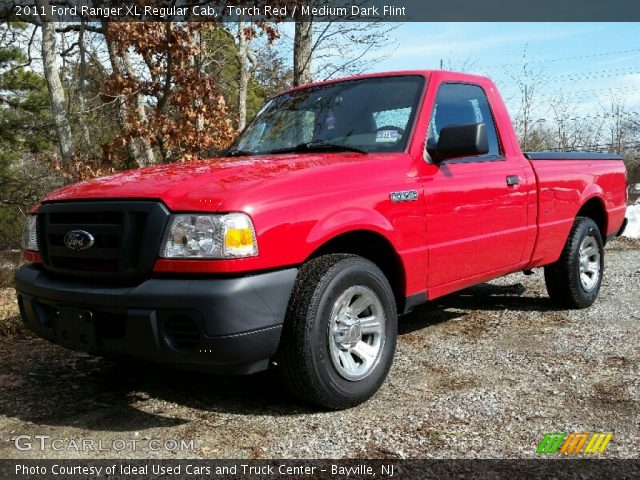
(484, 297)
(46, 385)
(63, 388)
(490, 297)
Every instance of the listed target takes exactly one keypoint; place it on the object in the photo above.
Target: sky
(584, 62)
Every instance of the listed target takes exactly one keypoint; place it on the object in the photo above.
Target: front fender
(349, 220)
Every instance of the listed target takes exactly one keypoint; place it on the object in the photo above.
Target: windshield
(370, 115)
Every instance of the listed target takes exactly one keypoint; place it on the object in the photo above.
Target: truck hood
(211, 184)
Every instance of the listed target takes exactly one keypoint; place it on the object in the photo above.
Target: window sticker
(387, 136)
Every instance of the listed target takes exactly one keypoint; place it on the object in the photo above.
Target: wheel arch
(594, 209)
(374, 247)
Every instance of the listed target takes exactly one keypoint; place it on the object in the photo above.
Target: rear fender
(594, 193)
(593, 190)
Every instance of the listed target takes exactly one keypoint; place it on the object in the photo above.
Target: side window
(459, 104)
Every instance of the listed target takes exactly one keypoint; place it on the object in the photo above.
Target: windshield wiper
(318, 147)
(237, 153)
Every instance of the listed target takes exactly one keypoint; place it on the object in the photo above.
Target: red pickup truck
(342, 205)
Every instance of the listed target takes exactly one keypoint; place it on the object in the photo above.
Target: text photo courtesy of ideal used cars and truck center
(319, 239)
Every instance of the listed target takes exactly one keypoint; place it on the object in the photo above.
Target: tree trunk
(147, 157)
(117, 66)
(302, 50)
(198, 66)
(243, 76)
(56, 91)
(82, 104)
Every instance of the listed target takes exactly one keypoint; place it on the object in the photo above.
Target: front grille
(126, 234)
(85, 264)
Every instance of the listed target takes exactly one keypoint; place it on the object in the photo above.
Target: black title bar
(323, 10)
(317, 469)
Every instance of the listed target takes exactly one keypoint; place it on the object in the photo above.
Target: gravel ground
(479, 374)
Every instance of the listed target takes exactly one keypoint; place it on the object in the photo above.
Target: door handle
(513, 180)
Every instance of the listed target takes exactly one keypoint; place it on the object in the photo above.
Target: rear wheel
(340, 333)
(574, 280)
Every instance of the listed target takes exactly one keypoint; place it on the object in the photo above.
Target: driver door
(475, 220)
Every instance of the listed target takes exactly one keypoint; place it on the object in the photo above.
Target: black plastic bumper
(226, 325)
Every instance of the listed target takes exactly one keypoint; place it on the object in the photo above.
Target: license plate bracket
(75, 329)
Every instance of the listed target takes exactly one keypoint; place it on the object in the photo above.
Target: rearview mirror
(461, 141)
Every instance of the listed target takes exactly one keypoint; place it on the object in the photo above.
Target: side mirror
(461, 141)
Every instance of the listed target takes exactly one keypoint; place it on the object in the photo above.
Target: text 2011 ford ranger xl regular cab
(342, 205)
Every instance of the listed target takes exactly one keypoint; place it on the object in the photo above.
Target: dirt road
(483, 373)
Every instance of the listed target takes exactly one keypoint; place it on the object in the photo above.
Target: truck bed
(567, 180)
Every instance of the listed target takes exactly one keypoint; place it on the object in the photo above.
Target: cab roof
(457, 76)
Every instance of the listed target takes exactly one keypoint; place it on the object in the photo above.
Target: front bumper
(224, 325)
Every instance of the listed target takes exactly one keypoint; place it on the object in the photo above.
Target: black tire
(305, 356)
(563, 278)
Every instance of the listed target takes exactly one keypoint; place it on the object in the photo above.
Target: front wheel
(340, 332)
(574, 280)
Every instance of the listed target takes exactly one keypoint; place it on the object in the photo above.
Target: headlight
(30, 233)
(209, 236)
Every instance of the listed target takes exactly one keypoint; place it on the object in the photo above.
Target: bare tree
(466, 64)
(324, 50)
(271, 71)
(528, 82)
(56, 91)
(82, 104)
(618, 125)
(632, 155)
(622, 136)
(245, 57)
(302, 51)
(350, 48)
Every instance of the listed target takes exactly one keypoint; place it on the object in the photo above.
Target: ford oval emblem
(78, 240)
